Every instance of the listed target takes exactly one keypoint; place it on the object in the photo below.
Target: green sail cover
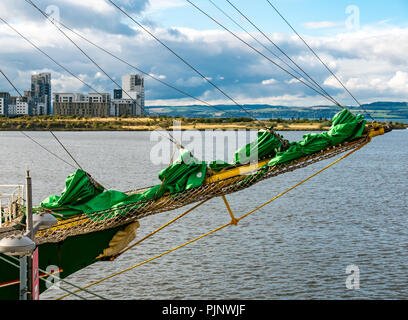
(266, 145)
(81, 195)
(345, 126)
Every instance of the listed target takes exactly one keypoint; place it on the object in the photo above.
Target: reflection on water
(297, 247)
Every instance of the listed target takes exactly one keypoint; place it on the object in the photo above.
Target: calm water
(297, 247)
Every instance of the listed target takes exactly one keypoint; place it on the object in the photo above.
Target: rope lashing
(220, 227)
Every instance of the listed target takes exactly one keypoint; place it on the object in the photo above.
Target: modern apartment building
(4, 98)
(40, 96)
(133, 88)
(79, 104)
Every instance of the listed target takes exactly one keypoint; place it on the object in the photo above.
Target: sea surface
(341, 235)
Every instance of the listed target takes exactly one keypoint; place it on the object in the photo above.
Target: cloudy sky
(365, 42)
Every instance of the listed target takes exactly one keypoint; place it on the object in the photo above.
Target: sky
(364, 42)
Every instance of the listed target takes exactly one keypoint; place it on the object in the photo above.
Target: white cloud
(158, 76)
(161, 5)
(94, 5)
(323, 24)
(396, 83)
(65, 83)
(268, 81)
(399, 82)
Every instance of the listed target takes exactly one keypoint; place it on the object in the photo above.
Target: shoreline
(58, 123)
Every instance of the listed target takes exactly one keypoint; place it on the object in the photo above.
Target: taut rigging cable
(261, 44)
(23, 133)
(284, 53)
(171, 138)
(182, 59)
(141, 71)
(78, 47)
(317, 56)
(47, 55)
(256, 50)
(9, 81)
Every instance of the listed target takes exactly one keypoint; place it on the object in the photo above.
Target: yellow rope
(219, 228)
(158, 229)
(151, 259)
(303, 181)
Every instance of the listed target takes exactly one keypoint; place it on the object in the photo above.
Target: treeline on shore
(68, 123)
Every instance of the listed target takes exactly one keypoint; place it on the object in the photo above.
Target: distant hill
(382, 110)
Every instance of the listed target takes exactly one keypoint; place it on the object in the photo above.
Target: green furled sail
(83, 195)
(345, 126)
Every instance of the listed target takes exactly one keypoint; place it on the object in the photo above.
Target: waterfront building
(40, 96)
(133, 88)
(4, 98)
(80, 104)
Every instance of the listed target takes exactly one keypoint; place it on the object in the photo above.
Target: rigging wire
(11, 83)
(46, 149)
(66, 150)
(47, 55)
(71, 165)
(265, 47)
(67, 70)
(79, 48)
(183, 60)
(317, 56)
(171, 138)
(65, 281)
(139, 70)
(63, 289)
(284, 53)
(233, 221)
(256, 50)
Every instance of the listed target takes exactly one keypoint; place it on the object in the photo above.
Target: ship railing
(11, 202)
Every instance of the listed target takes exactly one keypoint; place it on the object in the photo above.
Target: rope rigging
(317, 56)
(11, 83)
(46, 149)
(40, 145)
(261, 44)
(171, 138)
(68, 71)
(141, 71)
(48, 56)
(259, 52)
(287, 56)
(78, 47)
(234, 221)
(183, 60)
(55, 277)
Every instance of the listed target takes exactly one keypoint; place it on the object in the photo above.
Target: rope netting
(114, 217)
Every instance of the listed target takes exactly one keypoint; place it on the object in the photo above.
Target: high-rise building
(79, 104)
(40, 96)
(133, 88)
(4, 98)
